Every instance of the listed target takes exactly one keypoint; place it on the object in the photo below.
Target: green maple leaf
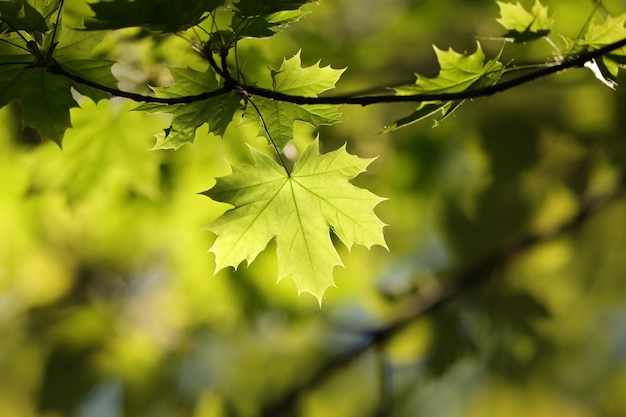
(47, 98)
(217, 112)
(118, 154)
(600, 34)
(21, 15)
(263, 26)
(292, 78)
(459, 72)
(299, 211)
(74, 53)
(523, 25)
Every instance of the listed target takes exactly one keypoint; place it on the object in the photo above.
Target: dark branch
(578, 61)
(59, 70)
(459, 284)
(231, 85)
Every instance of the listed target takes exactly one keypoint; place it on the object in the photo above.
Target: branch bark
(231, 85)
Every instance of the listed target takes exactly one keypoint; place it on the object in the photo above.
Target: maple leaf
(217, 112)
(459, 72)
(47, 98)
(600, 34)
(299, 211)
(522, 25)
(292, 78)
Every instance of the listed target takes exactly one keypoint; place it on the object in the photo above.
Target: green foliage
(299, 209)
(22, 15)
(278, 117)
(459, 72)
(503, 290)
(217, 112)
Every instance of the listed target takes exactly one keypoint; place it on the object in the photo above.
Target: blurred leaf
(298, 210)
(118, 155)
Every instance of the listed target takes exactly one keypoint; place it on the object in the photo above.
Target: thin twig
(579, 61)
(269, 136)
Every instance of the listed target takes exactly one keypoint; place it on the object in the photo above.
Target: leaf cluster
(46, 66)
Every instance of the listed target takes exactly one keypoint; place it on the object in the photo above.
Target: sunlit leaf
(299, 211)
(523, 25)
(217, 112)
(458, 73)
(292, 78)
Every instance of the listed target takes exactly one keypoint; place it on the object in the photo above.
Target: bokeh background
(108, 302)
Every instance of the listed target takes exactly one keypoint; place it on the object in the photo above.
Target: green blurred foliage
(109, 306)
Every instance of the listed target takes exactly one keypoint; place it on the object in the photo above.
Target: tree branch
(458, 284)
(59, 70)
(231, 85)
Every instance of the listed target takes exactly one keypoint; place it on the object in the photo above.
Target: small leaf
(299, 211)
(217, 112)
(263, 26)
(45, 98)
(458, 73)
(292, 78)
(600, 34)
(522, 25)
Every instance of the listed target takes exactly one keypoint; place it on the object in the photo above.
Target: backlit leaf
(292, 78)
(217, 112)
(458, 73)
(299, 211)
(523, 25)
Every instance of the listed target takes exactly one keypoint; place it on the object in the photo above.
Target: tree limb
(232, 86)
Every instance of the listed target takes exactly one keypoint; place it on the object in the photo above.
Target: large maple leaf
(299, 210)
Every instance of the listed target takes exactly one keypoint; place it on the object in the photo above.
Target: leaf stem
(269, 136)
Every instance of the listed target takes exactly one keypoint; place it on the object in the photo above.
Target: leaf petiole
(269, 136)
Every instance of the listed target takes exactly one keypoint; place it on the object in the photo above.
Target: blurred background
(108, 302)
